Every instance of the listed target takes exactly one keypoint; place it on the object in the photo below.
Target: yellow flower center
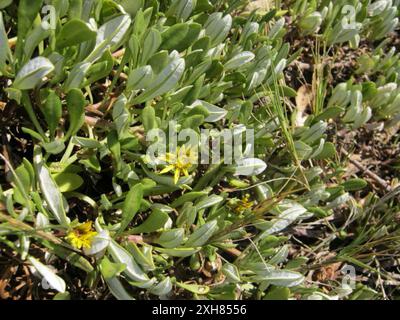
(180, 162)
(82, 236)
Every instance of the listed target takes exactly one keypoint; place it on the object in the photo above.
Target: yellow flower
(243, 204)
(82, 236)
(180, 162)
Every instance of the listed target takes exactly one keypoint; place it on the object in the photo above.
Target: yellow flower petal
(167, 169)
(177, 175)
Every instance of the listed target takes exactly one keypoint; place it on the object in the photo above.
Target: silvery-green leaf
(378, 7)
(250, 29)
(182, 9)
(303, 150)
(32, 73)
(152, 42)
(276, 27)
(76, 76)
(249, 167)
(109, 35)
(121, 115)
(50, 190)
(165, 81)
(215, 113)
(140, 78)
(41, 221)
(209, 202)
(162, 288)
(311, 23)
(37, 35)
(99, 243)
(132, 7)
(23, 246)
(280, 66)
(280, 256)
(171, 238)
(314, 133)
(202, 234)
(216, 51)
(53, 280)
(283, 278)
(286, 218)
(117, 289)
(257, 78)
(86, 142)
(393, 108)
(362, 118)
(319, 149)
(217, 27)
(231, 272)
(133, 271)
(143, 256)
(340, 96)
(239, 60)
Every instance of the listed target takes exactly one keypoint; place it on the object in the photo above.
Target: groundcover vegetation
(107, 109)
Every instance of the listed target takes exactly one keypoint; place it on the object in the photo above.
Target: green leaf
(187, 197)
(5, 3)
(131, 205)
(54, 147)
(27, 12)
(62, 296)
(110, 269)
(5, 52)
(328, 152)
(74, 32)
(154, 222)
(68, 182)
(173, 36)
(52, 110)
(178, 252)
(86, 142)
(191, 36)
(76, 104)
(149, 119)
(194, 288)
(277, 293)
(354, 184)
(33, 39)
(151, 43)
